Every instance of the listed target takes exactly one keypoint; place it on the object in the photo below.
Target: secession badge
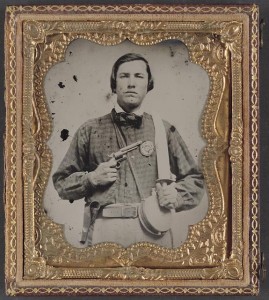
(146, 148)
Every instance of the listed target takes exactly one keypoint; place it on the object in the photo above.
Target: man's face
(131, 84)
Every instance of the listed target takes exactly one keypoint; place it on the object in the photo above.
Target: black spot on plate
(64, 134)
(61, 85)
(108, 96)
(172, 53)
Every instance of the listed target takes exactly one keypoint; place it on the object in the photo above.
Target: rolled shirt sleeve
(189, 179)
(72, 180)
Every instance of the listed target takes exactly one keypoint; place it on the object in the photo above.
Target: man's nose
(131, 81)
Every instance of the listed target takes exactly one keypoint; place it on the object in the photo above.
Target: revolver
(121, 155)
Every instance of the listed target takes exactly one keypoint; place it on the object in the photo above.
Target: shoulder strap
(161, 146)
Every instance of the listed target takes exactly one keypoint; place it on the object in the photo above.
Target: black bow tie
(127, 119)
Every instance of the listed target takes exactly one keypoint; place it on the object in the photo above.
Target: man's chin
(131, 106)
(132, 101)
(130, 97)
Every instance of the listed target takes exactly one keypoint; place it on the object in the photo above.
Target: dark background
(264, 133)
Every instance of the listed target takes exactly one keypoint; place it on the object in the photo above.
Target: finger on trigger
(112, 162)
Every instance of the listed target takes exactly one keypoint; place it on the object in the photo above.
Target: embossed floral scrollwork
(218, 234)
(132, 27)
(231, 32)
(37, 268)
(235, 149)
(229, 270)
(133, 273)
(232, 37)
(139, 32)
(34, 31)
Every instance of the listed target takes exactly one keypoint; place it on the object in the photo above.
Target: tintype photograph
(126, 143)
(132, 150)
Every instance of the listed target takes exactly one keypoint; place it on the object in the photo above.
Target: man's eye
(139, 76)
(124, 76)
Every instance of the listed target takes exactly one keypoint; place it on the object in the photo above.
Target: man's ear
(150, 84)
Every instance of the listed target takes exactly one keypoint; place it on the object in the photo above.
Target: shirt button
(126, 184)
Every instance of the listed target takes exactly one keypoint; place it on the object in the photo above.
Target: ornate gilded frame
(221, 254)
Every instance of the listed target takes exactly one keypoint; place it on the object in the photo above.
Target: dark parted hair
(127, 58)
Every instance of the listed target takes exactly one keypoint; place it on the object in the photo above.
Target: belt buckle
(129, 212)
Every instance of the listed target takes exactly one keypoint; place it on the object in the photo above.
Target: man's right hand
(104, 174)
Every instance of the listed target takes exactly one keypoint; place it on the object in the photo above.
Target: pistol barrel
(119, 154)
(130, 147)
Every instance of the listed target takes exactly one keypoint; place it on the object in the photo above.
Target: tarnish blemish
(172, 53)
(61, 85)
(64, 134)
(108, 96)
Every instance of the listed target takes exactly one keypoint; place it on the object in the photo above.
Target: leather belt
(120, 211)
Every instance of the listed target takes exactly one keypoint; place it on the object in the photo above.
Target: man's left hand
(167, 195)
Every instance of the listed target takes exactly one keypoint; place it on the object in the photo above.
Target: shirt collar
(118, 109)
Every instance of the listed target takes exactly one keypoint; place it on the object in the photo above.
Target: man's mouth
(130, 93)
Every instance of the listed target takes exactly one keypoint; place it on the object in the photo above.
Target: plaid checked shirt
(96, 140)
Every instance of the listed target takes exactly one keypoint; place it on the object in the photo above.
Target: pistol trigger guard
(120, 160)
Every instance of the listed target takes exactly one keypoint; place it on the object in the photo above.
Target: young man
(113, 192)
